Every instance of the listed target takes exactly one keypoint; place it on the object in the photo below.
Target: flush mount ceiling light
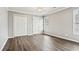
(41, 9)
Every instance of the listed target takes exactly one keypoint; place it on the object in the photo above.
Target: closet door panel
(37, 25)
(20, 25)
(29, 25)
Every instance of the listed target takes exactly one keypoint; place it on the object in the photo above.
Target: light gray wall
(10, 24)
(60, 24)
(3, 26)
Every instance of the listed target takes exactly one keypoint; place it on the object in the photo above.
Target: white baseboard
(25, 34)
(3, 45)
(10, 37)
(63, 37)
(37, 33)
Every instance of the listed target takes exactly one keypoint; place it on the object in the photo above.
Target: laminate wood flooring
(40, 42)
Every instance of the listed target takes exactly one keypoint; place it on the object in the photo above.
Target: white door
(19, 25)
(37, 25)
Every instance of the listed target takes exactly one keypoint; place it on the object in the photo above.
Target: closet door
(40, 25)
(46, 24)
(29, 25)
(37, 24)
(19, 25)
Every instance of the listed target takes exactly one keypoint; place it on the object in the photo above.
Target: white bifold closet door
(37, 24)
(29, 25)
(19, 25)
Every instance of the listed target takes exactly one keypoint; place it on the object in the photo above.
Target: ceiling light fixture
(40, 9)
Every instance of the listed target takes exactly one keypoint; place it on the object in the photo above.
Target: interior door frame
(14, 23)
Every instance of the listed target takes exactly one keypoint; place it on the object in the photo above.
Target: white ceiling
(36, 10)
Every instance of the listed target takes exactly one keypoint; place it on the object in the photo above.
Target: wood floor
(40, 43)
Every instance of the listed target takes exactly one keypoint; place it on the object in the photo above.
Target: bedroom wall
(60, 24)
(10, 25)
(3, 26)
